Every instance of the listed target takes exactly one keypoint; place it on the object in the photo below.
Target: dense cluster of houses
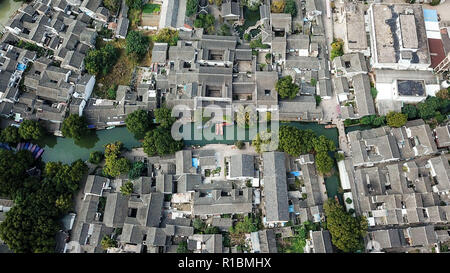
(212, 184)
(204, 70)
(398, 178)
(42, 65)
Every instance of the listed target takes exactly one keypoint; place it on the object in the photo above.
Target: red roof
(436, 51)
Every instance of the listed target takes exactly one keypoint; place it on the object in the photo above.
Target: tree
(324, 162)
(112, 5)
(13, 168)
(114, 164)
(247, 37)
(443, 94)
(137, 44)
(159, 141)
(127, 188)
(323, 144)
(163, 116)
(198, 225)
(367, 120)
(379, 121)
(348, 200)
(395, 119)
(191, 7)
(337, 48)
(286, 88)
(64, 203)
(74, 127)
(136, 170)
(410, 111)
(100, 61)
(166, 35)
(108, 242)
(296, 142)
(427, 109)
(278, 6)
(346, 231)
(27, 230)
(239, 144)
(95, 157)
(39, 202)
(30, 129)
(182, 247)
(138, 123)
(10, 134)
(134, 4)
(290, 7)
(225, 30)
(339, 156)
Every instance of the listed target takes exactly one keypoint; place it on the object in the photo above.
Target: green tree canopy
(137, 44)
(12, 170)
(114, 164)
(324, 162)
(100, 61)
(136, 170)
(166, 35)
(10, 134)
(74, 127)
(395, 119)
(290, 7)
(138, 123)
(112, 5)
(337, 48)
(108, 242)
(191, 7)
(30, 129)
(410, 111)
(182, 247)
(295, 141)
(427, 109)
(163, 116)
(95, 157)
(127, 188)
(159, 141)
(31, 225)
(286, 88)
(346, 231)
(135, 4)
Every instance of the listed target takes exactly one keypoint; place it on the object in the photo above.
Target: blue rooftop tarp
(430, 15)
(195, 162)
(296, 173)
(291, 208)
(21, 67)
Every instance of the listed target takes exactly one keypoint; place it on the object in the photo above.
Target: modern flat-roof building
(398, 37)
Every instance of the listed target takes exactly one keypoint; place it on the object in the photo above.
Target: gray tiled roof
(242, 165)
(275, 187)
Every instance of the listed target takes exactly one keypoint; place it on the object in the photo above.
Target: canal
(7, 9)
(68, 150)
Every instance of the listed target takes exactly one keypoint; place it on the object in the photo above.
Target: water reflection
(88, 141)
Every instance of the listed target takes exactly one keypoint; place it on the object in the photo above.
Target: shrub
(395, 119)
(95, 157)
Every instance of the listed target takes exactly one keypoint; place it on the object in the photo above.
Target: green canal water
(7, 9)
(68, 150)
